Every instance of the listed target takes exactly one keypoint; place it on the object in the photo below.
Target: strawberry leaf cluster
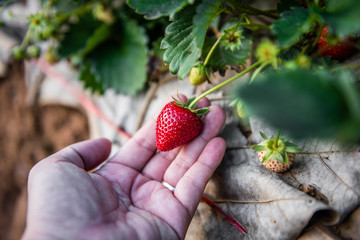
(103, 41)
(199, 112)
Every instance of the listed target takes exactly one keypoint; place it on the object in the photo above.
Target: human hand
(125, 198)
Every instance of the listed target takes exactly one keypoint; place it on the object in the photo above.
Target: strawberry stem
(277, 139)
(225, 82)
(212, 50)
(318, 35)
(228, 218)
(26, 39)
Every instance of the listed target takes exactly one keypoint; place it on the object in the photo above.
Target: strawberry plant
(110, 44)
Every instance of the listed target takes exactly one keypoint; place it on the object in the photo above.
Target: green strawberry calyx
(276, 148)
(199, 112)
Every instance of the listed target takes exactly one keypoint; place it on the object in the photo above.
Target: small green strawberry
(33, 51)
(232, 39)
(178, 124)
(18, 52)
(51, 55)
(276, 154)
(198, 74)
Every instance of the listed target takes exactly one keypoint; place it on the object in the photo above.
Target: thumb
(87, 154)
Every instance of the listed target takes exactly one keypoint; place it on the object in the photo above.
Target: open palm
(125, 198)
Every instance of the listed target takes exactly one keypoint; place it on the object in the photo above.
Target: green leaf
(122, 65)
(202, 111)
(89, 79)
(304, 103)
(77, 37)
(181, 50)
(263, 136)
(285, 158)
(100, 34)
(157, 8)
(258, 148)
(267, 156)
(278, 156)
(190, 100)
(292, 149)
(184, 38)
(351, 93)
(343, 16)
(206, 12)
(292, 25)
(223, 57)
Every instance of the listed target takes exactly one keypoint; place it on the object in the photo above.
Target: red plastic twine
(228, 218)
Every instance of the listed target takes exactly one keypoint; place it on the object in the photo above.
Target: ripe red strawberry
(276, 154)
(340, 51)
(177, 124)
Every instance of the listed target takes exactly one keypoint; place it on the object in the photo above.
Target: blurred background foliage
(295, 87)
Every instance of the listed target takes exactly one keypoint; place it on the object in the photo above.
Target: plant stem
(225, 83)
(258, 70)
(277, 139)
(255, 26)
(318, 35)
(218, 41)
(212, 50)
(26, 39)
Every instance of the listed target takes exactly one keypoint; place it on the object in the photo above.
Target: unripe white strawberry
(276, 154)
(274, 165)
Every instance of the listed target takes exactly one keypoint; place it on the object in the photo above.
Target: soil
(27, 135)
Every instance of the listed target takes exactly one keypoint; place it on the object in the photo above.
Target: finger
(213, 123)
(157, 166)
(87, 154)
(191, 186)
(204, 102)
(137, 150)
